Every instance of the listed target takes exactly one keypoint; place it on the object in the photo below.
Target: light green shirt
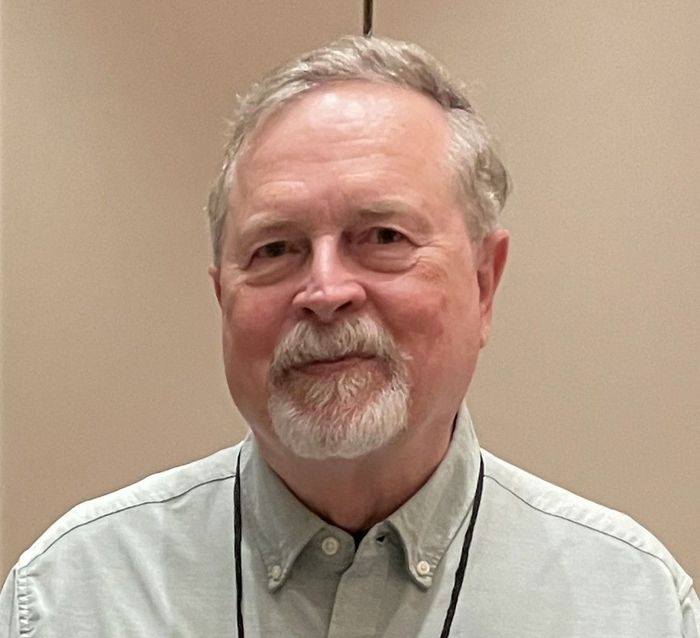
(156, 560)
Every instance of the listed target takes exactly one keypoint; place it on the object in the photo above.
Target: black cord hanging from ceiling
(367, 22)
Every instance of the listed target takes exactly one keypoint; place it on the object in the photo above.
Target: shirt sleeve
(690, 608)
(9, 622)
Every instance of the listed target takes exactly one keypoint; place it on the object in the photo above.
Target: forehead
(352, 111)
(343, 102)
(342, 139)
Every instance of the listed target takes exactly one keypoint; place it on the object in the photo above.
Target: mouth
(331, 366)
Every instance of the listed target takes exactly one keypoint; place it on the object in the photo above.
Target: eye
(273, 249)
(385, 235)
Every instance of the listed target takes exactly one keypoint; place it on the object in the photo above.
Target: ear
(492, 256)
(215, 274)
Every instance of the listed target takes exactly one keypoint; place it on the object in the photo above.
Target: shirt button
(330, 546)
(423, 567)
(275, 572)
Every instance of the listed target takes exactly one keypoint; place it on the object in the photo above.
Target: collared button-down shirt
(156, 559)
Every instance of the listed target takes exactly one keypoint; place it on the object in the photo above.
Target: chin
(338, 421)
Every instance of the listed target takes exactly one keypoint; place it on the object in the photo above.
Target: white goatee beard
(346, 415)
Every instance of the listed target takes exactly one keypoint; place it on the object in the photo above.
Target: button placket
(362, 586)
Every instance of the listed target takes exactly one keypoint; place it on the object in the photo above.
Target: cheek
(416, 317)
(433, 318)
(251, 327)
(252, 323)
(431, 271)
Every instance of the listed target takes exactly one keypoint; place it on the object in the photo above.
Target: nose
(330, 289)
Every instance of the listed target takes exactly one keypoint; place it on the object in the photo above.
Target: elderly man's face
(351, 294)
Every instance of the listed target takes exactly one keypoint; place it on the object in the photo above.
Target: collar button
(330, 546)
(275, 572)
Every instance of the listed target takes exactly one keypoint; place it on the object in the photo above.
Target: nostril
(326, 311)
(328, 300)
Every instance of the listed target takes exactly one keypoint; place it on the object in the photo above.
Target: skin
(343, 205)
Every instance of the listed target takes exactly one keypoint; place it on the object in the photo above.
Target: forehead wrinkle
(387, 206)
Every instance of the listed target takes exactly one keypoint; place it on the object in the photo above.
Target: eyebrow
(386, 207)
(266, 223)
(391, 207)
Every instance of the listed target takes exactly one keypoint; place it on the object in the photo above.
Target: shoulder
(143, 500)
(579, 528)
(122, 561)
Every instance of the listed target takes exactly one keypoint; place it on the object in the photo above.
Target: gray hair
(482, 179)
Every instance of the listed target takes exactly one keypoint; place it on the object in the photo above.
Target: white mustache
(307, 343)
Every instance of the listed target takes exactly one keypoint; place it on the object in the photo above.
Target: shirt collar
(282, 524)
(425, 525)
(428, 522)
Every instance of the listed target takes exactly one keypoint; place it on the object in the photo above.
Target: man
(357, 252)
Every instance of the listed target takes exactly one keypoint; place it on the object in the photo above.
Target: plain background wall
(112, 123)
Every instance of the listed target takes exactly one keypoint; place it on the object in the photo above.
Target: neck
(354, 494)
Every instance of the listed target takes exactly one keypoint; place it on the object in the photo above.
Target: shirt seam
(124, 509)
(22, 605)
(585, 526)
(688, 589)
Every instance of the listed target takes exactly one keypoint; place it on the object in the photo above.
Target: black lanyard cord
(459, 574)
(462, 567)
(237, 538)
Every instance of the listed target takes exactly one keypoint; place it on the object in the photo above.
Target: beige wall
(112, 114)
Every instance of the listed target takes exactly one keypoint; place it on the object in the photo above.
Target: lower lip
(329, 367)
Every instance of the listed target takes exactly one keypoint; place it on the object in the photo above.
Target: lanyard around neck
(459, 573)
